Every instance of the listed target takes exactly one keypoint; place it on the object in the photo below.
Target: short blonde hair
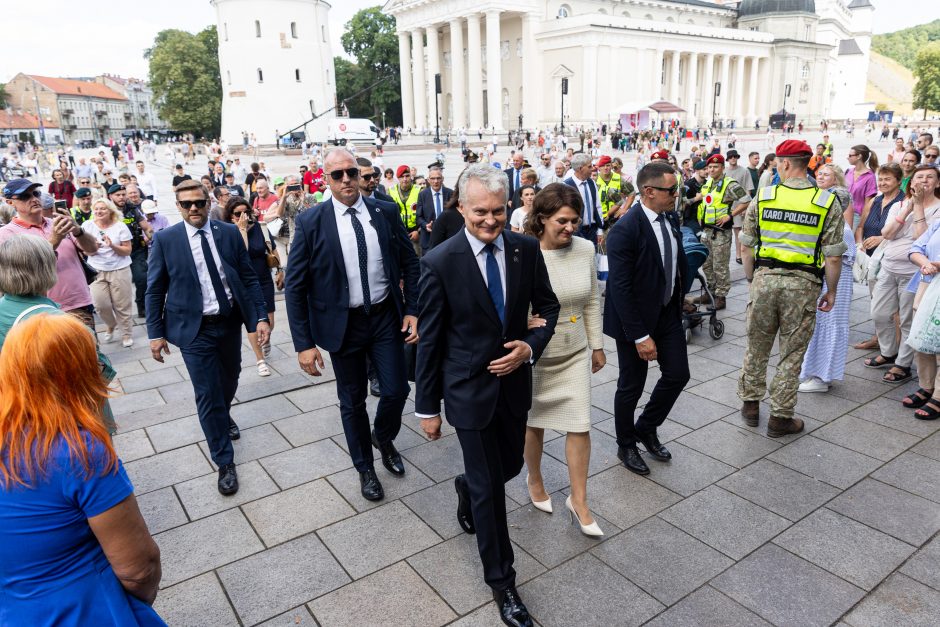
(836, 172)
(27, 266)
(112, 208)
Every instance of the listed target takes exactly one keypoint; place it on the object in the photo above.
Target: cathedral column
(420, 85)
(589, 84)
(531, 105)
(708, 90)
(738, 106)
(657, 74)
(752, 92)
(494, 73)
(674, 77)
(691, 93)
(407, 89)
(475, 68)
(458, 87)
(434, 67)
(724, 76)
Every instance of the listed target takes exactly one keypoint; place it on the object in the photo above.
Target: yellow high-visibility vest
(602, 187)
(407, 208)
(790, 224)
(713, 205)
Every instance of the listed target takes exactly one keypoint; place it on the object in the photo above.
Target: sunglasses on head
(337, 175)
(186, 204)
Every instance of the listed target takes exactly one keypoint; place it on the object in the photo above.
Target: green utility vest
(790, 224)
(710, 212)
(606, 202)
(407, 208)
(80, 217)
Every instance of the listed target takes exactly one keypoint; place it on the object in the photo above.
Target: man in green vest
(81, 212)
(722, 199)
(616, 194)
(789, 231)
(828, 147)
(405, 195)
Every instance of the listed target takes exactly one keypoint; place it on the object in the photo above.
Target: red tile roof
(21, 120)
(71, 87)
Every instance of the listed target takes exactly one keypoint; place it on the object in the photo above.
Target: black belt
(374, 308)
(776, 264)
(215, 318)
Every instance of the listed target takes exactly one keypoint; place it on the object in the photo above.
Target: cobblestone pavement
(836, 524)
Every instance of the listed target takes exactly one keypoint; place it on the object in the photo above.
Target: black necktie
(667, 257)
(363, 253)
(225, 308)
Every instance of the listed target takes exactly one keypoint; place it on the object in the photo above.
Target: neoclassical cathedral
(502, 63)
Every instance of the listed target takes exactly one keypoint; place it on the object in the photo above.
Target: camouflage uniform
(783, 300)
(718, 241)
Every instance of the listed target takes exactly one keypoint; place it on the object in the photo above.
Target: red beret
(401, 170)
(715, 159)
(660, 154)
(605, 160)
(794, 148)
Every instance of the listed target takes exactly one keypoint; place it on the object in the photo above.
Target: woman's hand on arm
(132, 553)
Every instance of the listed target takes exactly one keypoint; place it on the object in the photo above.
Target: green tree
(349, 81)
(4, 96)
(927, 72)
(903, 45)
(370, 39)
(184, 76)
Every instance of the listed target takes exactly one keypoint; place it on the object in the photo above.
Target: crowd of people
(486, 295)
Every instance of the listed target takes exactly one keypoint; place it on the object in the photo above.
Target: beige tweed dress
(561, 379)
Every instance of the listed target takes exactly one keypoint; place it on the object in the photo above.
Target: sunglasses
(366, 177)
(668, 190)
(186, 204)
(85, 182)
(337, 175)
(27, 195)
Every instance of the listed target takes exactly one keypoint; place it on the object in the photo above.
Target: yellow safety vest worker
(790, 224)
(827, 151)
(713, 205)
(407, 208)
(602, 186)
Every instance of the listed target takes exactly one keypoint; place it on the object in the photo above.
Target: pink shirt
(70, 291)
(862, 189)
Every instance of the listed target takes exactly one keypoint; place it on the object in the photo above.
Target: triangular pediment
(562, 71)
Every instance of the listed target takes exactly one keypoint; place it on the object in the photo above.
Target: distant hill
(903, 45)
(890, 84)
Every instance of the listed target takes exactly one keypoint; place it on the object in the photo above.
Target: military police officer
(405, 195)
(722, 199)
(792, 237)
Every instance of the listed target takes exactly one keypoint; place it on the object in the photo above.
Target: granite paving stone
(437, 506)
(176, 433)
(857, 553)
(663, 560)
(554, 477)
(314, 396)
(706, 607)
(625, 499)
(729, 444)
(124, 403)
(725, 521)
(347, 483)
(898, 601)
(311, 426)
(208, 543)
(176, 392)
(306, 463)
(261, 441)
(148, 415)
(267, 584)
(201, 497)
(722, 389)
(149, 380)
(924, 565)
(724, 353)
(289, 514)
(688, 472)
(915, 473)
(787, 590)
(161, 510)
(584, 591)
(858, 389)
(253, 413)
(439, 460)
(164, 469)
(929, 447)
(667, 432)
(898, 513)
(866, 437)
(271, 385)
(827, 462)
(132, 445)
(704, 366)
(891, 413)
(694, 411)
(393, 596)
(359, 542)
(603, 452)
(291, 618)
(195, 602)
(781, 490)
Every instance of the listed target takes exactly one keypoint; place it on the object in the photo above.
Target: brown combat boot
(701, 299)
(750, 411)
(719, 302)
(777, 427)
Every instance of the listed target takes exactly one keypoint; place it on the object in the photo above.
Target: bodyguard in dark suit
(431, 202)
(369, 186)
(476, 352)
(201, 289)
(514, 174)
(643, 312)
(591, 220)
(347, 260)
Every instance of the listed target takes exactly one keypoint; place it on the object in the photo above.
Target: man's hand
(872, 242)
(827, 301)
(431, 427)
(723, 220)
(520, 353)
(429, 226)
(413, 236)
(61, 227)
(263, 331)
(409, 325)
(646, 349)
(310, 361)
(158, 348)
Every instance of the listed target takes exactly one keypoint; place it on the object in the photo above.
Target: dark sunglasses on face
(668, 190)
(27, 195)
(366, 177)
(186, 204)
(337, 175)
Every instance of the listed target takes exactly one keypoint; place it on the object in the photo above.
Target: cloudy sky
(49, 37)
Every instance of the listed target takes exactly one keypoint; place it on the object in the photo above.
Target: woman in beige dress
(561, 380)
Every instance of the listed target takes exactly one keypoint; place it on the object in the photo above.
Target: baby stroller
(695, 255)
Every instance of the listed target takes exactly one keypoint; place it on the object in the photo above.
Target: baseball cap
(18, 186)
(149, 206)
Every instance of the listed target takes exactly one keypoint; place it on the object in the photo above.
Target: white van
(351, 130)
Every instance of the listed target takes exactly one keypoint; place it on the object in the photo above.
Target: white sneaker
(127, 342)
(263, 370)
(107, 337)
(814, 384)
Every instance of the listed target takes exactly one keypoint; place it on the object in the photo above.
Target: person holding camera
(294, 202)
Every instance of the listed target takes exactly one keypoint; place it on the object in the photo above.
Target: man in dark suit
(201, 289)
(514, 173)
(347, 260)
(431, 202)
(476, 352)
(369, 185)
(642, 312)
(581, 180)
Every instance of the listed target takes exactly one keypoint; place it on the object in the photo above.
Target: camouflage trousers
(784, 304)
(716, 269)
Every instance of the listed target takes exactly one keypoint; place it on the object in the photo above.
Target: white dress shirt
(658, 232)
(147, 184)
(589, 199)
(210, 304)
(378, 282)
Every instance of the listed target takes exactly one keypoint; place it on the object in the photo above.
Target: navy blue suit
(633, 309)
(427, 213)
(211, 348)
(588, 232)
(460, 334)
(316, 292)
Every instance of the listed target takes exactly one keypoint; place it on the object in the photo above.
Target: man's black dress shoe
(371, 488)
(228, 480)
(654, 447)
(233, 432)
(374, 387)
(630, 457)
(464, 513)
(390, 457)
(511, 608)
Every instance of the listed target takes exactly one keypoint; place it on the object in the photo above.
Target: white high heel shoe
(591, 530)
(545, 506)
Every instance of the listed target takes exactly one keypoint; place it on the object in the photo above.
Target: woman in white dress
(561, 379)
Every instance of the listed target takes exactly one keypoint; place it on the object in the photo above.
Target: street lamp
(564, 90)
(437, 115)
(715, 104)
(786, 93)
